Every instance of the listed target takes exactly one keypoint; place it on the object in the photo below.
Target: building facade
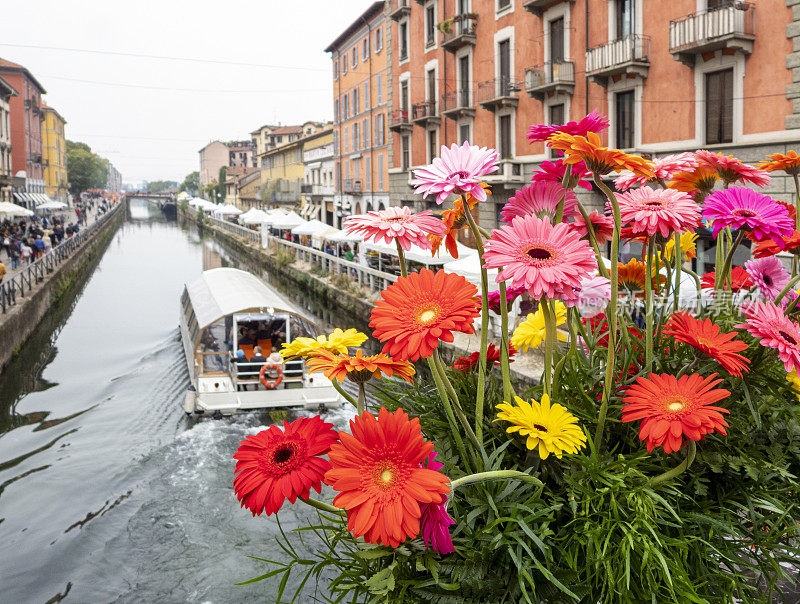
(282, 174)
(212, 157)
(114, 181)
(6, 172)
(26, 118)
(318, 186)
(55, 155)
(692, 74)
(248, 194)
(241, 154)
(361, 79)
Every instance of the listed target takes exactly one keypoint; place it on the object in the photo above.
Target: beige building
(6, 92)
(212, 157)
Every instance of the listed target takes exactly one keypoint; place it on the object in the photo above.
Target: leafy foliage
(85, 170)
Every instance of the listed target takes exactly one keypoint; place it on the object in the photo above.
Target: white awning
(321, 235)
(309, 228)
(469, 267)
(417, 254)
(287, 221)
(12, 209)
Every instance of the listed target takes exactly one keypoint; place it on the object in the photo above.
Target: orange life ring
(271, 384)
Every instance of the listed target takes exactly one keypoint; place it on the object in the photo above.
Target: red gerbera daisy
(731, 169)
(419, 310)
(705, 337)
(377, 471)
(492, 358)
(740, 280)
(770, 247)
(283, 464)
(671, 408)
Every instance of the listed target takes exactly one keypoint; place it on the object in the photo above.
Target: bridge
(168, 202)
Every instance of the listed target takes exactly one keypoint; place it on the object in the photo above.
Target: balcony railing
(458, 32)
(399, 9)
(399, 120)
(558, 76)
(425, 114)
(629, 55)
(728, 26)
(498, 93)
(458, 104)
(352, 185)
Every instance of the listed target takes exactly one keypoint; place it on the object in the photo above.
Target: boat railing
(246, 373)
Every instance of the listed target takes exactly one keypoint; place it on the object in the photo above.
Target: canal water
(108, 492)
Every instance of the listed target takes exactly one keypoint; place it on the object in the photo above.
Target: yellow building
(282, 173)
(55, 155)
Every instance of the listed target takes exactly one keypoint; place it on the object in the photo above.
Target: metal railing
(459, 99)
(462, 25)
(238, 230)
(399, 117)
(22, 282)
(423, 110)
(702, 27)
(352, 185)
(634, 48)
(552, 72)
(497, 88)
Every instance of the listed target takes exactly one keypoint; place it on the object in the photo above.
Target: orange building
(671, 76)
(360, 104)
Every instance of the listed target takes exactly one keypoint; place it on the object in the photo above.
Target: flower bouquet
(656, 461)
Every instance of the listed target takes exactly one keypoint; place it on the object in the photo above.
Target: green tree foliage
(159, 186)
(223, 174)
(85, 170)
(191, 183)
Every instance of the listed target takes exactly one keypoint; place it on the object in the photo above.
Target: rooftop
(375, 9)
(50, 109)
(7, 88)
(9, 67)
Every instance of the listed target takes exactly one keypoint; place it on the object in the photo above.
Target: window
(624, 117)
(347, 170)
(556, 28)
(432, 151)
(624, 25)
(336, 110)
(463, 81)
(378, 39)
(403, 40)
(379, 86)
(505, 137)
(379, 129)
(365, 49)
(404, 96)
(335, 69)
(354, 57)
(380, 172)
(367, 174)
(346, 111)
(430, 25)
(344, 64)
(556, 114)
(430, 78)
(346, 150)
(719, 107)
(504, 64)
(503, 5)
(357, 169)
(356, 108)
(366, 95)
(406, 153)
(365, 134)
(463, 134)
(355, 136)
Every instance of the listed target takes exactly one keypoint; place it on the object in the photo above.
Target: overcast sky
(150, 116)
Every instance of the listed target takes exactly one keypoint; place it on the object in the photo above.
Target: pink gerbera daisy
(549, 260)
(512, 293)
(769, 275)
(593, 295)
(739, 207)
(767, 322)
(540, 199)
(602, 224)
(661, 211)
(457, 170)
(434, 521)
(594, 122)
(397, 223)
(554, 172)
(731, 169)
(663, 167)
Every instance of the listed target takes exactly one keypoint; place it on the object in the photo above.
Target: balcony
(458, 32)
(626, 56)
(399, 121)
(550, 77)
(510, 172)
(352, 186)
(729, 26)
(399, 9)
(425, 114)
(537, 6)
(458, 105)
(498, 93)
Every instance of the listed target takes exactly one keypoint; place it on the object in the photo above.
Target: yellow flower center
(386, 476)
(676, 403)
(426, 316)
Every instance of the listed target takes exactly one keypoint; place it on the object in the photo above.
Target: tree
(85, 170)
(159, 186)
(191, 183)
(221, 192)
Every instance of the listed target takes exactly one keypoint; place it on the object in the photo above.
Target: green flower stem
(362, 397)
(402, 258)
(549, 344)
(648, 297)
(611, 314)
(796, 201)
(677, 470)
(570, 352)
(437, 359)
(697, 282)
(484, 328)
(786, 289)
(593, 240)
(505, 370)
(676, 290)
(726, 267)
(344, 394)
(451, 418)
(323, 507)
(718, 261)
(494, 475)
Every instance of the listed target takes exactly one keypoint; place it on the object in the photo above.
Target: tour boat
(225, 314)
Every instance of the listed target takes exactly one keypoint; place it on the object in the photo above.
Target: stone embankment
(344, 295)
(54, 284)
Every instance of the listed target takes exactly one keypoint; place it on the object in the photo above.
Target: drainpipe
(586, 39)
(371, 121)
(444, 82)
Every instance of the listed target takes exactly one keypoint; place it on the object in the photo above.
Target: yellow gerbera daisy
(552, 429)
(688, 248)
(530, 333)
(794, 382)
(337, 342)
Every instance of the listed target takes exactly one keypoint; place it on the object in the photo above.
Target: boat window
(267, 332)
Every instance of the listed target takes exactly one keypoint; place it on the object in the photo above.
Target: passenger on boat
(246, 337)
(275, 357)
(258, 356)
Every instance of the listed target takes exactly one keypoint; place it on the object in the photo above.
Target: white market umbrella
(12, 209)
(254, 217)
(52, 205)
(228, 210)
(309, 228)
(469, 267)
(288, 221)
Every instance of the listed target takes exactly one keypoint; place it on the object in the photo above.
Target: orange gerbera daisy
(705, 337)
(671, 408)
(358, 368)
(454, 220)
(379, 475)
(789, 163)
(768, 247)
(419, 310)
(631, 275)
(598, 159)
(703, 178)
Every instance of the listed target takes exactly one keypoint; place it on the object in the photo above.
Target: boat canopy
(220, 292)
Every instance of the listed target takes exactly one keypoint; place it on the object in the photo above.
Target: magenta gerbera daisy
(731, 169)
(548, 260)
(434, 521)
(540, 199)
(661, 211)
(457, 170)
(739, 207)
(554, 172)
(594, 122)
(767, 322)
(663, 167)
(397, 223)
(769, 276)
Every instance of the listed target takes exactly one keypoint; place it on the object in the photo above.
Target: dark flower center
(538, 253)
(787, 337)
(283, 454)
(461, 174)
(767, 280)
(540, 427)
(395, 219)
(653, 203)
(744, 213)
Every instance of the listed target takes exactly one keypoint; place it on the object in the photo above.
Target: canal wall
(56, 290)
